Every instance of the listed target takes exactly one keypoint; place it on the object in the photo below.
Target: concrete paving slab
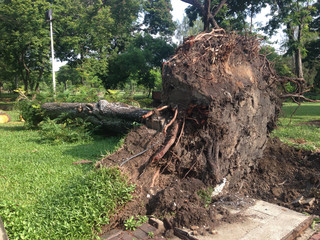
(263, 221)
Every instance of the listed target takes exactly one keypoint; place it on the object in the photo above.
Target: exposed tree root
(154, 111)
(155, 176)
(181, 131)
(165, 149)
(172, 120)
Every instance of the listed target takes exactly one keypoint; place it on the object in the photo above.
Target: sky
(178, 13)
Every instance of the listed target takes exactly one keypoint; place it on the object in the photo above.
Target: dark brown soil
(283, 175)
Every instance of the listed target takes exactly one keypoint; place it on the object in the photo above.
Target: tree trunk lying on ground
(115, 117)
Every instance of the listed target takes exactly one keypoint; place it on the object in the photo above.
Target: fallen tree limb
(115, 117)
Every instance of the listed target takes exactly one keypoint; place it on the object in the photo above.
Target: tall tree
(24, 41)
(144, 54)
(83, 30)
(295, 16)
(157, 17)
(313, 46)
(184, 29)
(223, 13)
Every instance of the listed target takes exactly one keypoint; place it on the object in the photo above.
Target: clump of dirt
(284, 175)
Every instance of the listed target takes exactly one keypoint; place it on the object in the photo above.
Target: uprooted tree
(221, 99)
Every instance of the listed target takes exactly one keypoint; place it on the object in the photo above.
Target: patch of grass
(298, 130)
(133, 222)
(205, 196)
(44, 196)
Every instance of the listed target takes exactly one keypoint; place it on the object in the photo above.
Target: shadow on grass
(95, 150)
(7, 127)
(303, 110)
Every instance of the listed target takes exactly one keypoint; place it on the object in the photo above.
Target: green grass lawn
(294, 131)
(44, 196)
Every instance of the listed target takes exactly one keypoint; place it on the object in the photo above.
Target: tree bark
(206, 15)
(298, 57)
(114, 117)
(205, 9)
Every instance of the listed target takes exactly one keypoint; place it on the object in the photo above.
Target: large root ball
(227, 97)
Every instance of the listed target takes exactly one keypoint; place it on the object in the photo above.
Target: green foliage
(205, 195)
(158, 18)
(45, 196)
(24, 42)
(68, 76)
(75, 213)
(280, 62)
(185, 30)
(232, 16)
(31, 113)
(133, 222)
(63, 130)
(140, 64)
(82, 28)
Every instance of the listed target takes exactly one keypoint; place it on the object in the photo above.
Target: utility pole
(52, 53)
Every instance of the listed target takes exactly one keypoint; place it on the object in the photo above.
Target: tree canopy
(117, 41)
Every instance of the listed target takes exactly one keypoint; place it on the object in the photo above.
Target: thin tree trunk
(27, 75)
(251, 19)
(298, 57)
(206, 15)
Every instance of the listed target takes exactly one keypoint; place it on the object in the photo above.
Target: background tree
(83, 31)
(228, 14)
(68, 76)
(295, 17)
(184, 29)
(24, 42)
(145, 55)
(158, 17)
(313, 46)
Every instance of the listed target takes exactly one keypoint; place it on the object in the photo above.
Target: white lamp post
(52, 52)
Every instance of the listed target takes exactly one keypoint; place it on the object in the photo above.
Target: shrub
(30, 112)
(62, 130)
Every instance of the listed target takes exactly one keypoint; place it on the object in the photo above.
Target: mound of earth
(220, 103)
(283, 175)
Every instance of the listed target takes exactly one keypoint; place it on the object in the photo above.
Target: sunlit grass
(44, 196)
(299, 127)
